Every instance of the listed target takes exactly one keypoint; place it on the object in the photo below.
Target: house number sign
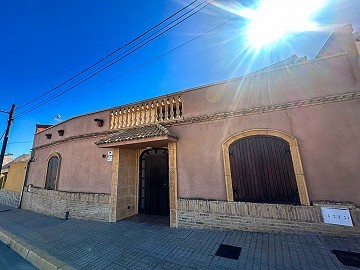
(109, 155)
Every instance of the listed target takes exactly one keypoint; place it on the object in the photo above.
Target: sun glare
(273, 20)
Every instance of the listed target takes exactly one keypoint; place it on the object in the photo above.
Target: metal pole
(31, 159)
(3, 149)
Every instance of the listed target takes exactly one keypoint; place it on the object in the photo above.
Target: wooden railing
(154, 111)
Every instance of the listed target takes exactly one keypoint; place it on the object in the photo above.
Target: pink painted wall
(315, 79)
(82, 167)
(73, 127)
(328, 141)
(327, 134)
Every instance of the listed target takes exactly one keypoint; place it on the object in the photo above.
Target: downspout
(31, 159)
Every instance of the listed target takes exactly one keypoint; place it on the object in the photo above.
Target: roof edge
(255, 73)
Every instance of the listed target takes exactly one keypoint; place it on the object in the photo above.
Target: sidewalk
(128, 245)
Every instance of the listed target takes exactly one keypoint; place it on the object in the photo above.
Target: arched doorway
(154, 182)
(262, 170)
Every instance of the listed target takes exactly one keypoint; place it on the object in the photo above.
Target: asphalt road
(10, 260)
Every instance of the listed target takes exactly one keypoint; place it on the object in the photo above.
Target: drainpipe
(25, 178)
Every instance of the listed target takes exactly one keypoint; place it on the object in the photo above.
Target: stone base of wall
(56, 203)
(259, 217)
(9, 198)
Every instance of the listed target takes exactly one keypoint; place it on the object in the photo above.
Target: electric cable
(107, 56)
(124, 56)
(2, 135)
(138, 67)
(19, 142)
(142, 41)
(107, 66)
(157, 31)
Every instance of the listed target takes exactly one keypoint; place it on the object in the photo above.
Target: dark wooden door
(262, 170)
(156, 195)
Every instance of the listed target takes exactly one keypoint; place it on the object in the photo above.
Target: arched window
(264, 165)
(262, 170)
(52, 172)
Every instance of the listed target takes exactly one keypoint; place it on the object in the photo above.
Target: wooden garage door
(262, 170)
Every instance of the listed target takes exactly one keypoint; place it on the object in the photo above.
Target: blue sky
(43, 43)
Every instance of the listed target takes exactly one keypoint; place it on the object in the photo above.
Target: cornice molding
(77, 137)
(268, 108)
(220, 116)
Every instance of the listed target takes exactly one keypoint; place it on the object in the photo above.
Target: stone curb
(37, 257)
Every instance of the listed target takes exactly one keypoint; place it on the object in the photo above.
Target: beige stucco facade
(314, 105)
(15, 177)
(12, 180)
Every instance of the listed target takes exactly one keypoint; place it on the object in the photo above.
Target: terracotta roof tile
(149, 131)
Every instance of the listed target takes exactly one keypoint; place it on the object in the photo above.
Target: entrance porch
(144, 178)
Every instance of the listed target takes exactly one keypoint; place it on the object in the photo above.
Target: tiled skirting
(9, 198)
(258, 217)
(56, 203)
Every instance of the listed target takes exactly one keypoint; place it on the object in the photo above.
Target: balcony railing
(154, 111)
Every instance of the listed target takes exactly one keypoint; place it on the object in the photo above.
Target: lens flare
(273, 20)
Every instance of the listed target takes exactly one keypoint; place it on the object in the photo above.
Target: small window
(52, 172)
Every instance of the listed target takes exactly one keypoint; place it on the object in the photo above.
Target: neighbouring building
(4, 169)
(8, 158)
(12, 180)
(264, 152)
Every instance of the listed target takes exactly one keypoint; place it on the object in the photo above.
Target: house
(13, 180)
(268, 151)
(4, 169)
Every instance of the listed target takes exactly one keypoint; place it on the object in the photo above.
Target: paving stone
(128, 245)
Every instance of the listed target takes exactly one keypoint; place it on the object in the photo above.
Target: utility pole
(6, 136)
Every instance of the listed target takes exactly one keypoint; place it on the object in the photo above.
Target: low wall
(9, 198)
(56, 203)
(259, 217)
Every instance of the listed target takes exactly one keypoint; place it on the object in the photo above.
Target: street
(10, 260)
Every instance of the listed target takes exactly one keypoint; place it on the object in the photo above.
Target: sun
(273, 20)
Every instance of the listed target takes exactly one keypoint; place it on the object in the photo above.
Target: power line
(2, 135)
(140, 66)
(19, 142)
(107, 56)
(114, 62)
(157, 31)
